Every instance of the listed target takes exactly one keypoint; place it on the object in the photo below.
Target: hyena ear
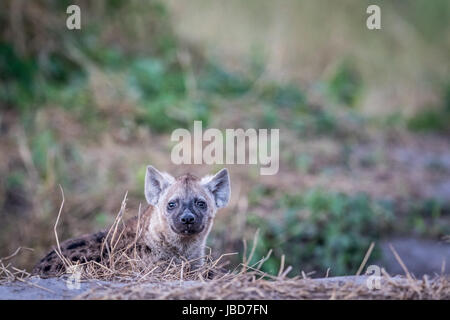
(219, 186)
(155, 183)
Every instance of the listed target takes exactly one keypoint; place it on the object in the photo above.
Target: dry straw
(171, 280)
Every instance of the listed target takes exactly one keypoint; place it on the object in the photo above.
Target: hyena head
(186, 205)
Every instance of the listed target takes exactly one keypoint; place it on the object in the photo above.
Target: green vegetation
(320, 230)
(345, 85)
(434, 119)
(427, 218)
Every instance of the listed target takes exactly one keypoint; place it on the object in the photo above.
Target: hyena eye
(171, 205)
(201, 204)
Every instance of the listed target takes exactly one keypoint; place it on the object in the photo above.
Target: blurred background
(364, 120)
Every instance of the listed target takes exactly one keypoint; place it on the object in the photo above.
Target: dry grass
(10, 273)
(252, 285)
(171, 280)
(246, 283)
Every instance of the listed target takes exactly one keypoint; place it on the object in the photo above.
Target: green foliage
(164, 103)
(16, 77)
(259, 192)
(392, 120)
(152, 78)
(430, 120)
(15, 179)
(433, 119)
(155, 77)
(319, 230)
(111, 58)
(426, 217)
(60, 70)
(284, 96)
(345, 85)
(312, 120)
(269, 117)
(169, 112)
(285, 105)
(303, 162)
(216, 79)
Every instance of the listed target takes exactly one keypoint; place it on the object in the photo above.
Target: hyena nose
(188, 218)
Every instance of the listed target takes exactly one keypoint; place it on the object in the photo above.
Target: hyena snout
(188, 222)
(187, 217)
